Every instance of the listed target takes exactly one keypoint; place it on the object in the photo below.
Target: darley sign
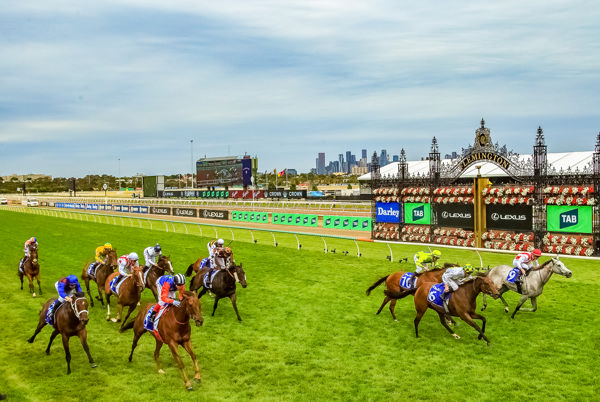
(388, 212)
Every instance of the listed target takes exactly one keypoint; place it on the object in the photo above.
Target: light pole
(192, 159)
(119, 159)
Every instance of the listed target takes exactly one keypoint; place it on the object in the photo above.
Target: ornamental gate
(533, 206)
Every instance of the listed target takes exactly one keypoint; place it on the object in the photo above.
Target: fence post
(324, 243)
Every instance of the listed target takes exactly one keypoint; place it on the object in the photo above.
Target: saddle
(51, 313)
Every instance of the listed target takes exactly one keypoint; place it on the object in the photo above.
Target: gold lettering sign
(488, 156)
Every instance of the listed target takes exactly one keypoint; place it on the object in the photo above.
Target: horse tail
(189, 270)
(127, 326)
(379, 282)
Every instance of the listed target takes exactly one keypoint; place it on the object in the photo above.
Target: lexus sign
(456, 215)
(510, 217)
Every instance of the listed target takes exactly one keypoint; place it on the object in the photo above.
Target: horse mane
(542, 265)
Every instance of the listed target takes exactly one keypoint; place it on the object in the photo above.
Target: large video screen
(223, 172)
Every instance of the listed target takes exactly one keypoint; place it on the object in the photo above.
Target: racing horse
(462, 303)
(223, 258)
(223, 284)
(153, 273)
(533, 283)
(70, 319)
(31, 269)
(129, 294)
(103, 270)
(394, 289)
(174, 329)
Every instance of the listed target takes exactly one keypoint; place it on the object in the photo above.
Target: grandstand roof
(559, 161)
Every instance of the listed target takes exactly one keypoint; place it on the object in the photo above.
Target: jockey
(213, 247)
(65, 287)
(102, 251)
(525, 261)
(453, 278)
(126, 262)
(166, 286)
(423, 259)
(150, 254)
(28, 244)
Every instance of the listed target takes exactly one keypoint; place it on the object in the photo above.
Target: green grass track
(309, 331)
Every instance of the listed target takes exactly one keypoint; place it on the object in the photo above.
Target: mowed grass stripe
(309, 332)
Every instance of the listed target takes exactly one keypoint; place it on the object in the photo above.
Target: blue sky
(122, 86)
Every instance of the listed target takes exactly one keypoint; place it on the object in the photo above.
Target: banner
(456, 215)
(160, 210)
(564, 218)
(417, 213)
(247, 194)
(388, 212)
(213, 214)
(509, 217)
(188, 212)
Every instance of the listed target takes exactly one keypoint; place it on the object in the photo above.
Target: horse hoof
(506, 310)
(114, 320)
(161, 371)
(94, 365)
(456, 336)
(189, 388)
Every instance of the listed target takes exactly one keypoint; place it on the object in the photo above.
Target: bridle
(76, 309)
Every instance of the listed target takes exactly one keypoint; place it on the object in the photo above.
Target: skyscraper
(321, 163)
(364, 154)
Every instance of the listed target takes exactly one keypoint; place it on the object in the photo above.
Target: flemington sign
(488, 156)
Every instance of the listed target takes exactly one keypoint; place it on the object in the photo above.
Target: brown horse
(129, 295)
(462, 303)
(153, 273)
(394, 291)
(70, 319)
(174, 329)
(223, 284)
(102, 272)
(31, 269)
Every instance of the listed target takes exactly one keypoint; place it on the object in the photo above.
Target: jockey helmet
(220, 242)
(108, 246)
(468, 268)
(157, 248)
(537, 252)
(33, 240)
(179, 280)
(436, 253)
(133, 256)
(72, 280)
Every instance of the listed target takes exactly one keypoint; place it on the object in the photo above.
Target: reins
(75, 309)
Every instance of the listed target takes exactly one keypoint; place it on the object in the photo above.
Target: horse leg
(136, 337)
(21, 278)
(188, 347)
(533, 305)
(233, 298)
(385, 301)
(100, 294)
(420, 312)
(466, 317)
(521, 301)
(83, 338)
(444, 322)
(38, 281)
(54, 333)
(40, 325)
(484, 302)
(87, 286)
(130, 308)
(159, 345)
(215, 306)
(65, 340)
(392, 308)
(476, 316)
(107, 295)
(119, 312)
(31, 288)
(202, 292)
(173, 346)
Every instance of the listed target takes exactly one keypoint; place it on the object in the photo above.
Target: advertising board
(417, 213)
(509, 217)
(456, 215)
(571, 219)
(388, 212)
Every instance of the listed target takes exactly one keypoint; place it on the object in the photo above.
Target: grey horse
(533, 284)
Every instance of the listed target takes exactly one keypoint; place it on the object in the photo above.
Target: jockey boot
(519, 282)
(119, 278)
(152, 316)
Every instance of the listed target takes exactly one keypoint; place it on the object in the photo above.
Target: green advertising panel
(346, 222)
(417, 213)
(572, 219)
(250, 216)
